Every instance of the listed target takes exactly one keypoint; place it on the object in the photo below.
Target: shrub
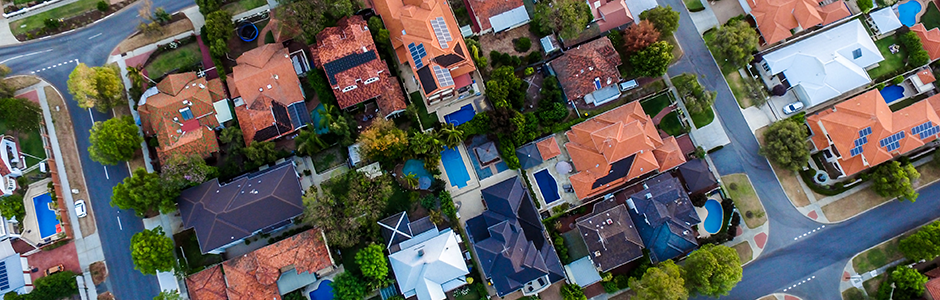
(865, 5)
(880, 86)
(529, 71)
(699, 199)
(560, 247)
(897, 80)
(534, 57)
(51, 24)
(522, 44)
(103, 6)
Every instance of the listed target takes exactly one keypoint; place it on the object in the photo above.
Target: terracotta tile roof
(162, 115)
(349, 56)
(930, 39)
(926, 76)
(483, 10)
(208, 284)
(580, 66)
(845, 124)
(409, 22)
(254, 275)
(265, 75)
(933, 273)
(775, 18)
(933, 288)
(621, 143)
(548, 148)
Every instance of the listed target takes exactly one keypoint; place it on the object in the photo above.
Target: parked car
(55, 269)
(793, 107)
(80, 209)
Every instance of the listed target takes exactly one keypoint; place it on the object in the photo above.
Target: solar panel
(443, 76)
(417, 53)
(856, 151)
(865, 132)
(440, 30)
(893, 146)
(4, 281)
(929, 132)
(347, 62)
(299, 115)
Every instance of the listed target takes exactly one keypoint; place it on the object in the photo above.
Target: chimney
(420, 252)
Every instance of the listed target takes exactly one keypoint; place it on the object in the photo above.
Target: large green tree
(504, 89)
(145, 193)
(567, 17)
(349, 202)
(98, 87)
(894, 179)
(260, 153)
(736, 40)
(20, 114)
(372, 262)
(308, 142)
(114, 140)
(923, 244)
(208, 6)
(572, 292)
(908, 284)
(219, 29)
(383, 141)
(662, 282)
(183, 171)
(653, 60)
(785, 144)
(865, 5)
(311, 16)
(12, 207)
(694, 95)
(56, 286)
(348, 286)
(152, 251)
(713, 270)
(664, 18)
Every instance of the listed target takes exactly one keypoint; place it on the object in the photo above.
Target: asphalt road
(92, 45)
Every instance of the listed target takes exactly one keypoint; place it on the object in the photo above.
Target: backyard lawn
(30, 143)
(694, 5)
(654, 105)
(187, 249)
(62, 12)
(931, 18)
(427, 120)
(892, 62)
(671, 124)
(243, 6)
(181, 57)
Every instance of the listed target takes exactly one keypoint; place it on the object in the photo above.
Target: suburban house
(615, 148)
(823, 66)
(224, 214)
(589, 71)
(14, 270)
(181, 111)
(862, 132)
(426, 36)
(266, 273)
(427, 263)
(269, 102)
(610, 235)
(348, 56)
(777, 20)
(696, 177)
(10, 165)
(611, 14)
(496, 16)
(930, 39)
(664, 217)
(510, 243)
(933, 285)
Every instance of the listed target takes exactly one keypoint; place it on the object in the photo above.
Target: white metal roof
(423, 269)
(885, 19)
(223, 112)
(513, 17)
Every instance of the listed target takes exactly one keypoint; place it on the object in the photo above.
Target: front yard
(63, 12)
(672, 125)
(653, 105)
(892, 62)
(739, 188)
(241, 6)
(878, 256)
(182, 57)
(735, 81)
(744, 252)
(866, 199)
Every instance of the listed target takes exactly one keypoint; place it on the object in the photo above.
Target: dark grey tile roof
(399, 228)
(698, 178)
(221, 214)
(665, 206)
(610, 235)
(529, 156)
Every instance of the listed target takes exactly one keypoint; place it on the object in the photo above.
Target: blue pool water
(892, 92)
(318, 125)
(456, 170)
(907, 12)
(46, 217)
(547, 185)
(323, 292)
(715, 216)
(414, 166)
(461, 116)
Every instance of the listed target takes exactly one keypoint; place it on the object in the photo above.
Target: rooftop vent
(649, 196)
(597, 253)
(202, 86)
(420, 252)
(269, 86)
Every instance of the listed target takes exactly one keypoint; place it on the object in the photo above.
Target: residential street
(92, 45)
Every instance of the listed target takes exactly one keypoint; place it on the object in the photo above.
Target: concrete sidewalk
(6, 34)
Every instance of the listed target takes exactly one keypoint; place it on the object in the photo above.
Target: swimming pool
(547, 185)
(907, 12)
(456, 170)
(414, 166)
(319, 126)
(323, 292)
(48, 224)
(715, 216)
(892, 93)
(461, 116)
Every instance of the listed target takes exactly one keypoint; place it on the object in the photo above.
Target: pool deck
(313, 286)
(30, 222)
(703, 214)
(560, 179)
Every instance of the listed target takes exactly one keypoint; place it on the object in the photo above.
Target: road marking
(24, 55)
(106, 172)
(54, 65)
(809, 232)
(119, 223)
(94, 36)
(799, 283)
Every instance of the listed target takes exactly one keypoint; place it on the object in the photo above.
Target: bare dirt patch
(866, 199)
(746, 199)
(788, 179)
(21, 82)
(744, 252)
(140, 40)
(65, 133)
(99, 272)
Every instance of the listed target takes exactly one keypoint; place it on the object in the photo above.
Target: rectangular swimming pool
(547, 185)
(461, 116)
(48, 224)
(455, 168)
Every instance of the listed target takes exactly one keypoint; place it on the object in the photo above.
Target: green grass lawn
(243, 6)
(878, 256)
(427, 120)
(892, 62)
(30, 143)
(729, 71)
(186, 241)
(18, 2)
(703, 118)
(931, 18)
(184, 56)
(694, 5)
(872, 285)
(653, 106)
(726, 67)
(671, 124)
(62, 12)
(853, 294)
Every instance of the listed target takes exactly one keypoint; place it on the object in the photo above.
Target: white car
(80, 210)
(793, 107)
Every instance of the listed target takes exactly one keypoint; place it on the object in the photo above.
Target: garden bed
(427, 120)
(190, 256)
(329, 158)
(878, 256)
(694, 5)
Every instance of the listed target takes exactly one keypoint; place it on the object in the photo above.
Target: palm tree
(450, 135)
(327, 114)
(309, 142)
(412, 180)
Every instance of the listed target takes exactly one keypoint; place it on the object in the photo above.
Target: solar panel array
(860, 141)
(347, 62)
(4, 281)
(865, 132)
(925, 130)
(417, 53)
(892, 142)
(440, 30)
(443, 76)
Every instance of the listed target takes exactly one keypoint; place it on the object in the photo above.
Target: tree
(572, 292)
(923, 244)
(261, 153)
(208, 6)
(6, 90)
(114, 140)
(372, 262)
(662, 282)
(168, 295)
(652, 61)
(98, 87)
(504, 89)
(664, 18)
(908, 282)
(349, 202)
(311, 16)
(383, 141)
(785, 145)
(893, 179)
(542, 23)
(12, 207)
(20, 114)
(450, 135)
(639, 36)
(736, 41)
(865, 5)
(308, 142)
(916, 55)
(694, 95)
(231, 135)
(145, 193)
(424, 144)
(152, 251)
(55, 286)
(571, 17)
(348, 286)
(713, 270)
(183, 171)
(219, 29)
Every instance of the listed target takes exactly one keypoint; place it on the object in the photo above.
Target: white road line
(119, 223)
(106, 172)
(24, 55)
(91, 116)
(94, 36)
